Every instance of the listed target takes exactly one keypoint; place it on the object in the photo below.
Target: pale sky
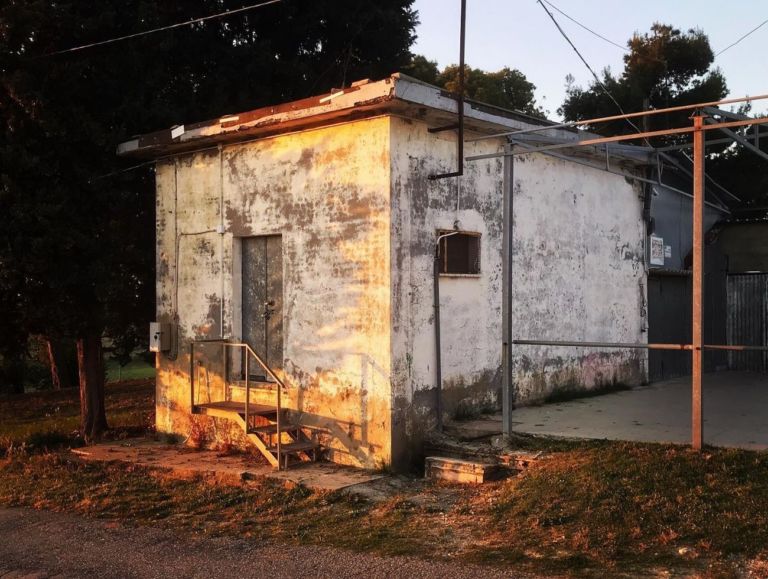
(519, 34)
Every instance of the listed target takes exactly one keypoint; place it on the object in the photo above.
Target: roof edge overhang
(397, 94)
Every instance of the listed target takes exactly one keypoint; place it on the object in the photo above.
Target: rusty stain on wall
(327, 193)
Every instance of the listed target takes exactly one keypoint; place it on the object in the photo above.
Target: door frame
(237, 285)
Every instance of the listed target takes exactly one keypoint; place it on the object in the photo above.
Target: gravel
(44, 545)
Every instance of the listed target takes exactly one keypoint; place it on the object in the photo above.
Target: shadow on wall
(346, 440)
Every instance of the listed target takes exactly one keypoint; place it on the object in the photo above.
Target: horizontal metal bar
(628, 345)
(637, 345)
(735, 348)
(623, 116)
(689, 145)
(618, 138)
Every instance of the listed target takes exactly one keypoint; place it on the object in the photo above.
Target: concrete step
(463, 471)
(480, 451)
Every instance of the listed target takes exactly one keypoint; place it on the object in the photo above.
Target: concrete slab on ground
(234, 468)
(735, 410)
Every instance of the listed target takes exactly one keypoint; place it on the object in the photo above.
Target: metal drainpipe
(459, 105)
(436, 305)
(220, 231)
(507, 394)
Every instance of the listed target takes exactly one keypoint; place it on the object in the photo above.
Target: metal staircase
(271, 428)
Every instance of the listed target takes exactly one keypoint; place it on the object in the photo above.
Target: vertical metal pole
(698, 277)
(460, 103)
(224, 372)
(459, 94)
(191, 377)
(506, 293)
(279, 385)
(247, 387)
(438, 355)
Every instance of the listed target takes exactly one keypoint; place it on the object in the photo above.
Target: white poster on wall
(657, 250)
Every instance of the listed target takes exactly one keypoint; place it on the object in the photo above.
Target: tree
(424, 69)
(663, 68)
(506, 88)
(668, 68)
(76, 252)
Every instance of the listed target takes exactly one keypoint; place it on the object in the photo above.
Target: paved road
(42, 545)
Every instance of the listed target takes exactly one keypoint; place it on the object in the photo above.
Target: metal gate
(669, 322)
(748, 320)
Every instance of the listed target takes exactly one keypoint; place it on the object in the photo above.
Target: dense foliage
(506, 88)
(76, 242)
(663, 68)
(668, 68)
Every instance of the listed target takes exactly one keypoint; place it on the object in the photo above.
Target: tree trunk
(12, 373)
(53, 365)
(93, 418)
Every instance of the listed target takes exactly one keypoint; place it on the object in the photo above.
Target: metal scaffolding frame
(698, 129)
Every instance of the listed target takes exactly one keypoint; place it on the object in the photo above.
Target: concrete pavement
(735, 408)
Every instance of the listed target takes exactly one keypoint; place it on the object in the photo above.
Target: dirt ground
(79, 547)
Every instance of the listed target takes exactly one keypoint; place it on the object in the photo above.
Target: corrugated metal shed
(748, 320)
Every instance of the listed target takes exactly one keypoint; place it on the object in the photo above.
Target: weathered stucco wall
(326, 192)
(578, 274)
(359, 217)
(471, 318)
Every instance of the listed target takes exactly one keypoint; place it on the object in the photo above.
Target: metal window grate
(460, 253)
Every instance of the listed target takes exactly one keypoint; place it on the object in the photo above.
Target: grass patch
(263, 510)
(618, 509)
(136, 369)
(593, 508)
(48, 419)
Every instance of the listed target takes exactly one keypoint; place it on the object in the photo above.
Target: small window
(459, 253)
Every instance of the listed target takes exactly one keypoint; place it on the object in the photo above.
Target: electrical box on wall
(159, 337)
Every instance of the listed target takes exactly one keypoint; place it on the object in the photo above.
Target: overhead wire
(160, 29)
(732, 44)
(591, 70)
(587, 28)
(608, 93)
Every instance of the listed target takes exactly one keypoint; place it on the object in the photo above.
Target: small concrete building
(309, 231)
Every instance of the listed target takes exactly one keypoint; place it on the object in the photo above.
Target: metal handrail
(246, 348)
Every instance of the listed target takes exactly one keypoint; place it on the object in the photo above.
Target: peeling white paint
(359, 219)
